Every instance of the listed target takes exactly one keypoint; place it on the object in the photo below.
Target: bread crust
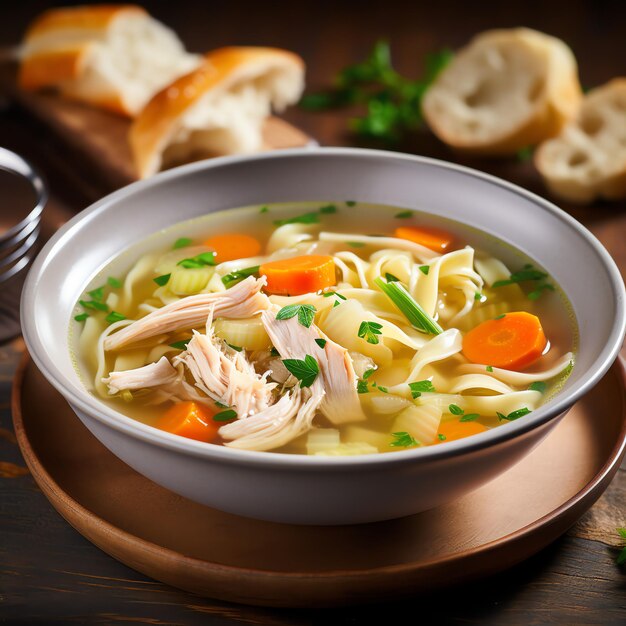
(557, 104)
(91, 18)
(152, 128)
(52, 67)
(609, 183)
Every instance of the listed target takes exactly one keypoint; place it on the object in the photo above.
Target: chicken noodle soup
(324, 329)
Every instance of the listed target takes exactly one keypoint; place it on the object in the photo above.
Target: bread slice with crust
(217, 109)
(507, 89)
(112, 56)
(588, 159)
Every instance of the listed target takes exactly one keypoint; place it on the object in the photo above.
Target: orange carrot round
(231, 246)
(433, 238)
(513, 341)
(300, 274)
(191, 420)
(454, 429)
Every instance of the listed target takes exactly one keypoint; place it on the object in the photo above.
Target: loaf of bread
(217, 109)
(588, 159)
(111, 56)
(506, 90)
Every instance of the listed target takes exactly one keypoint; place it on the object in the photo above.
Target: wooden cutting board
(98, 139)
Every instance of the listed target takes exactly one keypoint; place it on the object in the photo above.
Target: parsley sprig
(305, 370)
(392, 102)
(528, 274)
(514, 415)
(621, 557)
(404, 440)
(305, 313)
(370, 331)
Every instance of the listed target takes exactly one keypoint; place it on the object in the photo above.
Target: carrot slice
(191, 420)
(433, 238)
(231, 246)
(513, 341)
(454, 429)
(300, 274)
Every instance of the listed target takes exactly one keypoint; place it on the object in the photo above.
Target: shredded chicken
(337, 379)
(277, 425)
(152, 375)
(225, 374)
(242, 300)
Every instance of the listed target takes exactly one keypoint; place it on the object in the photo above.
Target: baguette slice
(588, 159)
(506, 90)
(217, 109)
(112, 56)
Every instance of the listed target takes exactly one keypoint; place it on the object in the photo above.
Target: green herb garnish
(114, 282)
(425, 269)
(536, 293)
(455, 409)
(225, 416)
(356, 244)
(370, 331)
(201, 260)
(621, 557)
(328, 294)
(81, 317)
(421, 386)
(514, 414)
(336, 303)
(391, 278)
(499, 317)
(539, 386)
(418, 318)
(183, 242)
(221, 405)
(235, 348)
(96, 294)
(392, 102)
(180, 345)
(238, 275)
(403, 215)
(264, 209)
(368, 373)
(306, 218)
(94, 305)
(478, 296)
(162, 280)
(441, 437)
(404, 440)
(469, 417)
(305, 371)
(329, 208)
(274, 352)
(489, 368)
(350, 203)
(305, 313)
(525, 154)
(321, 342)
(361, 386)
(528, 274)
(114, 316)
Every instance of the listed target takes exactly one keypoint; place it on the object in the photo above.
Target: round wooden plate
(241, 560)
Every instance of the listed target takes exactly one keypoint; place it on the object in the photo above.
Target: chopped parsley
(238, 275)
(514, 415)
(225, 416)
(403, 440)
(321, 342)
(403, 215)
(81, 317)
(180, 345)
(305, 370)
(391, 278)
(368, 373)
(336, 303)
(499, 317)
(329, 208)
(528, 274)
(455, 409)
(235, 348)
(305, 313)
(539, 386)
(114, 282)
(425, 269)
(201, 260)
(370, 331)
(183, 242)
(356, 244)
(536, 293)
(306, 218)
(478, 296)
(264, 209)
(441, 437)
(94, 305)
(114, 316)
(362, 387)
(162, 280)
(381, 388)
(469, 417)
(489, 368)
(96, 294)
(350, 203)
(421, 386)
(328, 294)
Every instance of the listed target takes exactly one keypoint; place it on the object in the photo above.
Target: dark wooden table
(50, 574)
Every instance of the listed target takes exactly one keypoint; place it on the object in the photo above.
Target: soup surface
(326, 329)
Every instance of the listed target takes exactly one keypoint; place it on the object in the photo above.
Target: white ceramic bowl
(295, 488)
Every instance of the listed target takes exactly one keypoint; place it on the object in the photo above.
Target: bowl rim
(88, 404)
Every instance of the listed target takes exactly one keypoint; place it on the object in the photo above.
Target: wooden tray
(97, 139)
(231, 558)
